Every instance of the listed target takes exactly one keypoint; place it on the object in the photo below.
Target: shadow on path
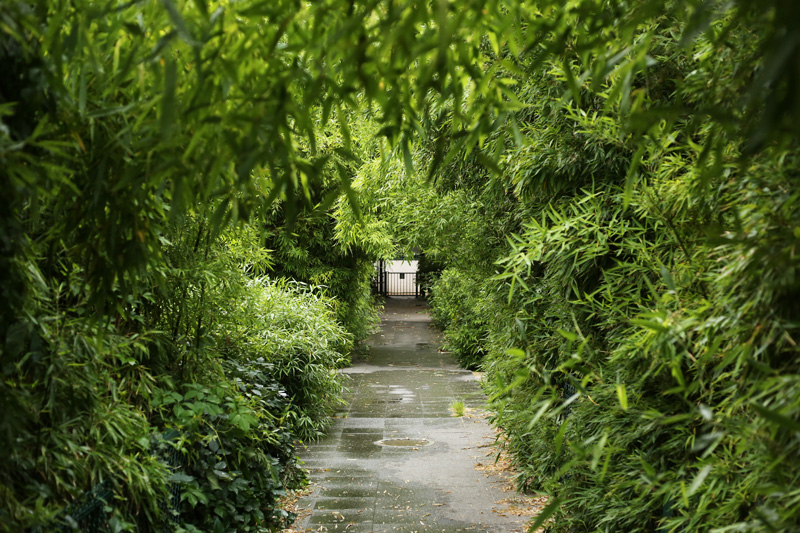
(402, 390)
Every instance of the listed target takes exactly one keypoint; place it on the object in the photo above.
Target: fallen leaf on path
(289, 503)
(502, 468)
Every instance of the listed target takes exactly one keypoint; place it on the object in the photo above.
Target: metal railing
(397, 284)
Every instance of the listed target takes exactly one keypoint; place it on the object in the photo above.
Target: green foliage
(654, 371)
(455, 309)
(311, 254)
(239, 451)
(294, 329)
(635, 367)
(610, 197)
(261, 358)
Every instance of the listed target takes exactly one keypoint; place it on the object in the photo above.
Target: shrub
(293, 328)
(456, 309)
(238, 451)
(645, 395)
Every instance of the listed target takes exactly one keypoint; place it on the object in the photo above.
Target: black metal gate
(396, 283)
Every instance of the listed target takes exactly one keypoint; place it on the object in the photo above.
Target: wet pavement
(401, 390)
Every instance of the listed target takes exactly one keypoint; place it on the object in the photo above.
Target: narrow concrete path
(402, 391)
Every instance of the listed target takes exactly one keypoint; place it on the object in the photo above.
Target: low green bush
(276, 350)
(456, 309)
(238, 451)
(238, 368)
(292, 327)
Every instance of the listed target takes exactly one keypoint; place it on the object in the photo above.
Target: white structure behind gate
(397, 278)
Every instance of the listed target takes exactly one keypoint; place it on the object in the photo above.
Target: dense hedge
(309, 253)
(456, 309)
(652, 381)
(644, 364)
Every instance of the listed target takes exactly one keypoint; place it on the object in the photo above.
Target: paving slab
(401, 390)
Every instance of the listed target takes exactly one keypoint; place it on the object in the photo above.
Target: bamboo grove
(194, 194)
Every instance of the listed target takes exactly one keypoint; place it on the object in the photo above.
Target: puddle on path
(406, 442)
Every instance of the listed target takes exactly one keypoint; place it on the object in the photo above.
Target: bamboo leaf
(179, 22)
(698, 480)
(633, 173)
(777, 418)
(168, 102)
(560, 436)
(622, 395)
